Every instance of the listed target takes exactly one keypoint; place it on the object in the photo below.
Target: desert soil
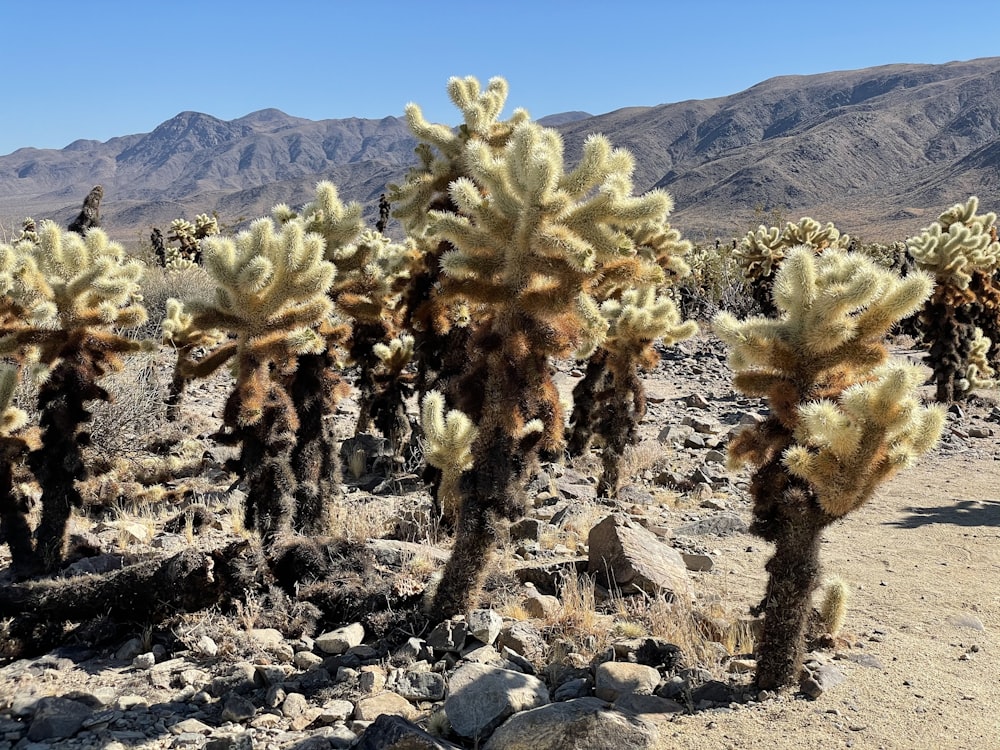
(919, 648)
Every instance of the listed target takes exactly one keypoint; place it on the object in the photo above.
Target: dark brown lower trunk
(315, 458)
(588, 395)
(14, 528)
(786, 513)
(58, 464)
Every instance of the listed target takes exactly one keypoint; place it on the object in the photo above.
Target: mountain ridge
(879, 151)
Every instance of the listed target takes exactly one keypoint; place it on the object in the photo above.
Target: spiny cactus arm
(639, 318)
(208, 364)
(957, 244)
(179, 328)
(12, 419)
(845, 449)
(449, 436)
(339, 224)
(980, 372)
(396, 354)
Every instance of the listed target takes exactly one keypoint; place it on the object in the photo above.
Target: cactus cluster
(962, 318)
(609, 402)
(844, 419)
(762, 252)
(66, 297)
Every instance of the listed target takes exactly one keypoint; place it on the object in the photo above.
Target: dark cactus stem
(58, 463)
(14, 528)
(588, 396)
(620, 427)
(947, 320)
(986, 287)
(490, 491)
(265, 463)
(315, 458)
(786, 513)
(762, 291)
(363, 339)
(175, 393)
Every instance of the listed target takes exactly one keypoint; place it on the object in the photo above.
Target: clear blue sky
(101, 68)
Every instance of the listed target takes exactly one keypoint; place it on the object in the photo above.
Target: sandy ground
(922, 560)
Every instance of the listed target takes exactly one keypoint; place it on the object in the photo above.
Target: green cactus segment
(762, 251)
(845, 449)
(957, 244)
(843, 420)
(962, 252)
(980, 372)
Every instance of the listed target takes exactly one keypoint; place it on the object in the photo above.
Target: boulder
(581, 724)
(634, 560)
(482, 697)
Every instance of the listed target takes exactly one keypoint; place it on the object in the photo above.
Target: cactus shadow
(958, 513)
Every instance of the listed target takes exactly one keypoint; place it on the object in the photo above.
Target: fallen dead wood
(34, 616)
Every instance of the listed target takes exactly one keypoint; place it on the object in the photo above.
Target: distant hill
(880, 151)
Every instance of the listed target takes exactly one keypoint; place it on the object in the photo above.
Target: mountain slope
(880, 151)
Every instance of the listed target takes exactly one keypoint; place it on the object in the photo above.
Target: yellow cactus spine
(843, 420)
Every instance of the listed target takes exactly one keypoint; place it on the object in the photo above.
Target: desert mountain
(880, 151)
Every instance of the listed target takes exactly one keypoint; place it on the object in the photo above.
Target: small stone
(697, 401)
(236, 708)
(980, 432)
(372, 680)
(614, 679)
(697, 563)
(57, 719)
(304, 660)
(206, 646)
(817, 679)
(421, 686)
(293, 705)
(541, 606)
(190, 726)
(129, 650)
(369, 709)
(340, 640)
(144, 661)
(449, 635)
(484, 625)
(967, 621)
(522, 638)
(483, 697)
(741, 666)
(336, 710)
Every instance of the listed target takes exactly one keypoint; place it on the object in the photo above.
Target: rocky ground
(563, 653)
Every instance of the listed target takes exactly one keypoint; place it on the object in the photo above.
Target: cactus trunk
(792, 519)
(315, 459)
(58, 463)
(14, 526)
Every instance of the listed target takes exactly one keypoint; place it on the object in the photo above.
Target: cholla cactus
(529, 243)
(189, 237)
(762, 251)
(15, 442)
(448, 447)
(181, 332)
(272, 295)
(961, 250)
(843, 420)
(74, 294)
(443, 159)
(610, 402)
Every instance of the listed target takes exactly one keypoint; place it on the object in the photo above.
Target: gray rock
(702, 424)
(144, 661)
(396, 733)
(236, 708)
(449, 635)
(522, 638)
(484, 625)
(129, 650)
(482, 697)
(294, 705)
(340, 640)
(230, 741)
(818, 678)
(577, 688)
(541, 606)
(421, 686)
(306, 660)
(526, 529)
(614, 679)
(697, 563)
(652, 705)
(722, 524)
(57, 719)
(581, 724)
(336, 710)
(634, 559)
(206, 646)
